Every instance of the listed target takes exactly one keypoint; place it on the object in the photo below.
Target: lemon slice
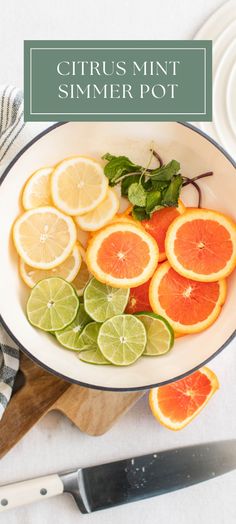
(101, 215)
(44, 237)
(82, 236)
(78, 185)
(37, 191)
(67, 270)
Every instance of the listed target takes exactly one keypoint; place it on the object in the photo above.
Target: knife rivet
(43, 491)
(4, 502)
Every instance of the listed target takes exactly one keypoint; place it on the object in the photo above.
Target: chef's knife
(115, 483)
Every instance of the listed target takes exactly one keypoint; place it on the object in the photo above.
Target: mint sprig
(147, 189)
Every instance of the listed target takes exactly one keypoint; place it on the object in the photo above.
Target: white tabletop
(55, 444)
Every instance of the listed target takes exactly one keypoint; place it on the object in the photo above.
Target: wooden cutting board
(38, 392)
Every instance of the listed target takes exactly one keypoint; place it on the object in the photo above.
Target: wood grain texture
(95, 411)
(92, 411)
(29, 403)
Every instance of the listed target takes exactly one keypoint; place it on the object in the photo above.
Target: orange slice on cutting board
(189, 307)
(122, 255)
(176, 404)
(201, 245)
(158, 225)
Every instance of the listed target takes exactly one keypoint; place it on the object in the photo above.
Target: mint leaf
(158, 185)
(139, 213)
(166, 173)
(153, 200)
(117, 167)
(147, 189)
(157, 208)
(126, 182)
(171, 195)
(137, 195)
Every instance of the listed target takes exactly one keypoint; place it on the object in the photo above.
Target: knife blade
(115, 483)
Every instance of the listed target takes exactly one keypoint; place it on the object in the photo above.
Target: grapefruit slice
(176, 404)
(122, 255)
(158, 224)
(201, 245)
(189, 307)
(139, 299)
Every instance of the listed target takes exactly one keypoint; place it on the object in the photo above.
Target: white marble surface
(54, 444)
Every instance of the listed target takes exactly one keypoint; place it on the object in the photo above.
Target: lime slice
(160, 335)
(52, 305)
(102, 302)
(90, 351)
(93, 356)
(69, 336)
(122, 339)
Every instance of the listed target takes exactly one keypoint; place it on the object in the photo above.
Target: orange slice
(158, 224)
(139, 299)
(176, 404)
(122, 255)
(201, 245)
(190, 307)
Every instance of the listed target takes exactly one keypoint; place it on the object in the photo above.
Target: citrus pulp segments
(122, 255)
(82, 236)
(102, 301)
(122, 339)
(160, 335)
(37, 190)
(83, 276)
(101, 215)
(67, 270)
(44, 237)
(78, 185)
(90, 352)
(69, 336)
(52, 305)
(171, 404)
(184, 299)
(201, 245)
(158, 225)
(139, 299)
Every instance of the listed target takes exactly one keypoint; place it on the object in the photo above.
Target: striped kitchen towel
(14, 135)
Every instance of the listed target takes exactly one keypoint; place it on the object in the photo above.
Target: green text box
(118, 80)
